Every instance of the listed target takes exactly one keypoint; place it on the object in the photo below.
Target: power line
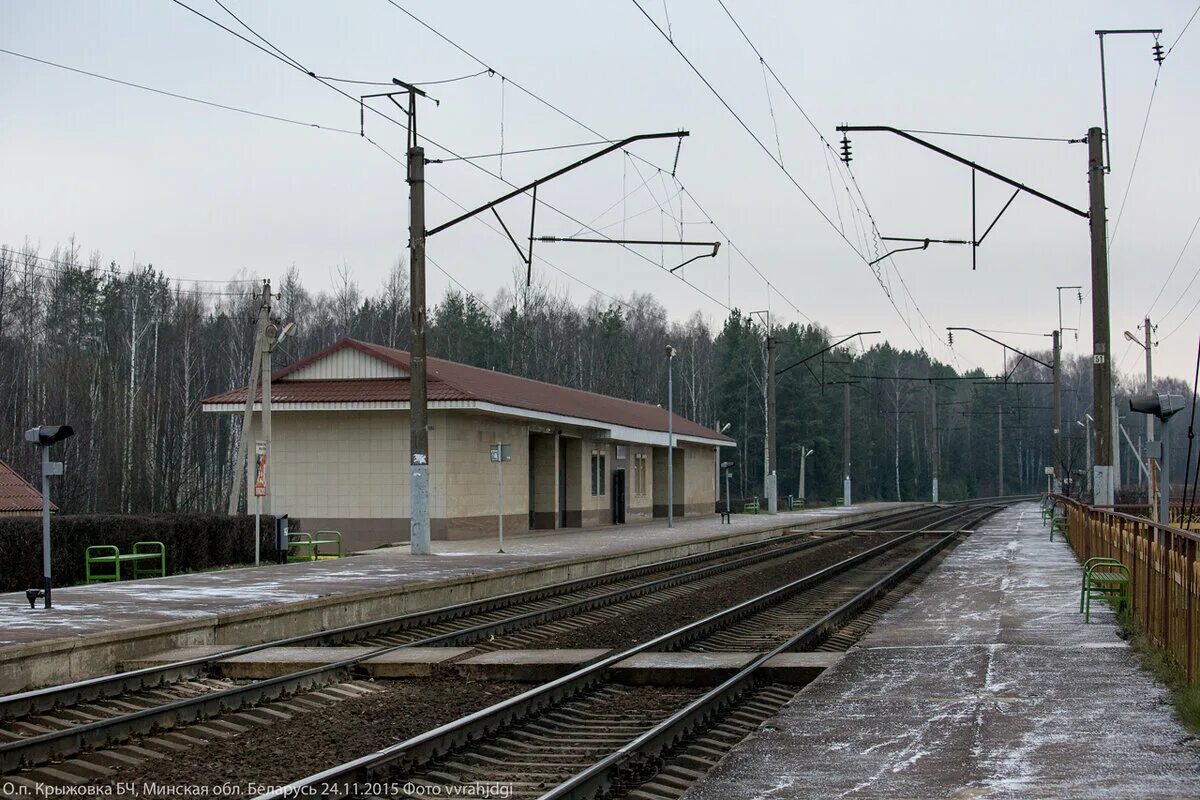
(518, 152)
(543, 101)
(1182, 32)
(1137, 154)
(1062, 139)
(282, 57)
(177, 95)
(838, 229)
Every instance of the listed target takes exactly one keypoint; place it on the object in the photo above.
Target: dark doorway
(562, 483)
(618, 497)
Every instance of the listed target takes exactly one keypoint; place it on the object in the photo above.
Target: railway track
(47, 725)
(586, 735)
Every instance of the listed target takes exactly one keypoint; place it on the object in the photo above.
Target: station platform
(983, 682)
(93, 628)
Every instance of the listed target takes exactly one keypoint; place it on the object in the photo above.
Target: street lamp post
(1087, 427)
(44, 436)
(805, 452)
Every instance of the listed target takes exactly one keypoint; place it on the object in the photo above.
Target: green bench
(1058, 525)
(1108, 579)
(149, 560)
(750, 507)
(313, 542)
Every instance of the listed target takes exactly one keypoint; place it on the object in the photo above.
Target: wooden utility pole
(242, 464)
(1102, 426)
(418, 431)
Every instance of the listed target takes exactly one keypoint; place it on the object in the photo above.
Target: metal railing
(1162, 561)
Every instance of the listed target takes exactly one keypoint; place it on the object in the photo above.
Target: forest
(125, 354)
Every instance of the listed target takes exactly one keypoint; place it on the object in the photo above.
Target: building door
(618, 497)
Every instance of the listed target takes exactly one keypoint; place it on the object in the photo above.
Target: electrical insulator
(1080, 293)
(845, 149)
(950, 336)
(1158, 52)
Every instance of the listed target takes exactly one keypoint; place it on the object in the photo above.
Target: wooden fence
(1162, 561)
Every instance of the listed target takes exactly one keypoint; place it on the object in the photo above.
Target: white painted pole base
(419, 540)
(935, 490)
(772, 494)
(846, 501)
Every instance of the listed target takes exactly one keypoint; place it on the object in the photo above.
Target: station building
(18, 497)
(340, 452)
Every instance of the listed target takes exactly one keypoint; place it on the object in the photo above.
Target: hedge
(193, 542)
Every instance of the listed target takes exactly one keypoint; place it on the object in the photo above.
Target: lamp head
(1163, 406)
(46, 435)
(670, 351)
(725, 427)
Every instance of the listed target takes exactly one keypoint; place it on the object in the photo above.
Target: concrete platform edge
(67, 659)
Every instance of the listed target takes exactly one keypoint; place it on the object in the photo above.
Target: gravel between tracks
(635, 628)
(307, 743)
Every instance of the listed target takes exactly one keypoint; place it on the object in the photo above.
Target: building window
(639, 474)
(598, 475)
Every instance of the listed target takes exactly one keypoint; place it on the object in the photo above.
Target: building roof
(455, 383)
(17, 494)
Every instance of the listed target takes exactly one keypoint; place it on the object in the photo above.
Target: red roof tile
(16, 493)
(449, 380)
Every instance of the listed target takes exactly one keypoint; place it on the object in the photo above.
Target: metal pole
(1000, 450)
(803, 459)
(1057, 452)
(1152, 483)
(500, 494)
(418, 432)
(846, 444)
(772, 432)
(1087, 429)
(258, 530)
(670, 441)
(1101, 349)
(267, 345)
(727, 471)
(937, 445)
(46, 525)
(241, 462)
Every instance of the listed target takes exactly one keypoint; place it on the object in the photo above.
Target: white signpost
(500, 452)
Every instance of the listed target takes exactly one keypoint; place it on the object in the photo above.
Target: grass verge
(1185, 697)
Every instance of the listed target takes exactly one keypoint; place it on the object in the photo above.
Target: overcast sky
(205, 193)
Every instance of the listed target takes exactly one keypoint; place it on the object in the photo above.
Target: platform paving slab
(982, 682)
(526, 666)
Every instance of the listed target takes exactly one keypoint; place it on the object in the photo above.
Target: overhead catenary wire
(178, 96)
(838, 229)
(282, 57)
(1136, 156)
(555, 108)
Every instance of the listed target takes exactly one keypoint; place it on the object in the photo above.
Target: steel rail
(57, 744)
(438, 741)
(618, 768)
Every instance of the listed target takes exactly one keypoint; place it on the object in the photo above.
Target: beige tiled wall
(339, 464)
(460, 445)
